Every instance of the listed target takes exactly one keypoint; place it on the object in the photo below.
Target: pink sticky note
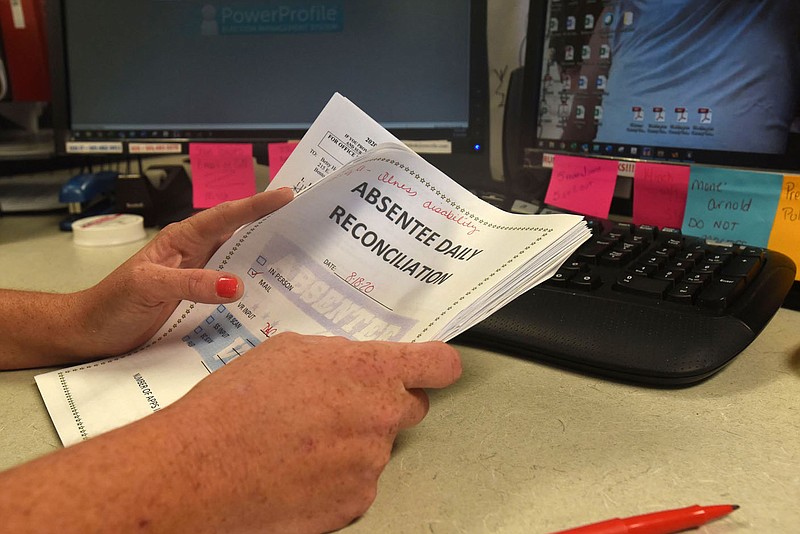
(221, 172)
(278, 153)
(582, 185)
(659, 194)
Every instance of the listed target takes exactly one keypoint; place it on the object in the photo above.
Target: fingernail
(227, 286)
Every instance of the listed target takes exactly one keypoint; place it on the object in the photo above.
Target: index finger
(432, 364)
(228, 216)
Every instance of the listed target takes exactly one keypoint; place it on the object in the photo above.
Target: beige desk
(516, 446)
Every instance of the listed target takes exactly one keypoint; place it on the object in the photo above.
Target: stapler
(86, 195)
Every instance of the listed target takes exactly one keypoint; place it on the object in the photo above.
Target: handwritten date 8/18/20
(358, 282)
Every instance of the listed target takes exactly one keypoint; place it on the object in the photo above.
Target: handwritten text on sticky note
(659, 194)
(731, 205)
(221, 172)
(582, 185)
(785, 236)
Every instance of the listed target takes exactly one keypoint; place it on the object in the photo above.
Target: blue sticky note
(731, 205)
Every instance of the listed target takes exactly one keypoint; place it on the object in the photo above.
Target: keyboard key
(639, 285)
(664, 252)
(680, 265)
(647, 231)
(719, 294)
(718, 258)
(669, 275)
(744, 266)
(561, 278)
(592, 251)
(615, 258)
(700, 279)
(639, 241)
(707, 268)
(673, 243)
(643, 270)
(671, 233)
(683, 293)
(585, 281)
(575, 266)
(694, 256)
(656, 261)
(628, 247)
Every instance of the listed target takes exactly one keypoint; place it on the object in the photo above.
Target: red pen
(666, 522)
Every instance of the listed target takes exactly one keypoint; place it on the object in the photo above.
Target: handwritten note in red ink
(659, 194)
(278, 153)
(221, 172)
(582, 185)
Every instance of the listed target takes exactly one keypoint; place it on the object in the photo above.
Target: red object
(227, 286)
(25, 48)
(666, 522)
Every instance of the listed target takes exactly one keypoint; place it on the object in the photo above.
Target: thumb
(198, 285)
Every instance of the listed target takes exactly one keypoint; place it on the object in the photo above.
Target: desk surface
(516, 446)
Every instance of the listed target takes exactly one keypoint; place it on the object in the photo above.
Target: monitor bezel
(470, 141)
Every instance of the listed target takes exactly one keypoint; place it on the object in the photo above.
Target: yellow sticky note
(785, 235)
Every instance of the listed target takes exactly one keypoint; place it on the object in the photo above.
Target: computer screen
(133, 71)
(667, 80)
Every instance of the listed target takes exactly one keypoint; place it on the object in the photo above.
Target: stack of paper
(377, 244)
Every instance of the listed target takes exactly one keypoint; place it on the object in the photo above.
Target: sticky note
(278, 153)
(659, 194)
(731, 205)
(582, 185)
(785, 236)
(221, 172)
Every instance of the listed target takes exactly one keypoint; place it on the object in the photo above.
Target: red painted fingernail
(227, 286)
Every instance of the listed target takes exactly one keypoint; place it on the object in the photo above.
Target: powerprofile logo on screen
(240, 18)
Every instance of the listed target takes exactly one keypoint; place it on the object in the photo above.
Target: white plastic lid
(105, 230)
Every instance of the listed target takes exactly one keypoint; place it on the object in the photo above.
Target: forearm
(145, 477)
(40, 329)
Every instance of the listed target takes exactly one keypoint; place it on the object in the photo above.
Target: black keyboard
(645, 305)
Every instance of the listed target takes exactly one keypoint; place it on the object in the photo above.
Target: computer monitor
(179, 71)
(686, 81)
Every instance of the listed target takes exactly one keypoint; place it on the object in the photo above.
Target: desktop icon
(570, 22)
(682, 115)
(705, 115)
(588, 21)
(627, 18)
(634, 150)
(647, 151)
(598, 113)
